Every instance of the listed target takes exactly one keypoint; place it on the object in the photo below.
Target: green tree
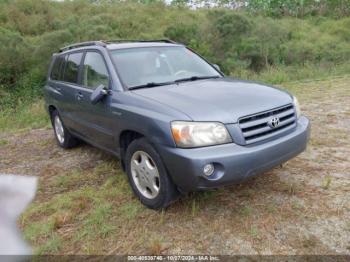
(13, 56)
(182, 33)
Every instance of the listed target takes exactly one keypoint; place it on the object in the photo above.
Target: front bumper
(233, 163)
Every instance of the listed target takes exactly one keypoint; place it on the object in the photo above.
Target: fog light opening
(208, 169)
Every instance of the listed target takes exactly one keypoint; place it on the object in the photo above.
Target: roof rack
(141, 41)
(105, 42)
(82, 44)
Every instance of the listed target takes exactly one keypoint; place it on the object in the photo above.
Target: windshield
(148, 66)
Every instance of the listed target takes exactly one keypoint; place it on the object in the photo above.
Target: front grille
(255, 127)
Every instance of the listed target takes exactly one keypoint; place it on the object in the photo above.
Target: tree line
(249, 36)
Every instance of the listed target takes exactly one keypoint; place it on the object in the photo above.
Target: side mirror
(99, 93)
(216, 67)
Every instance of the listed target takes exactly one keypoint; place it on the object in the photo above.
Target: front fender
(153, 125)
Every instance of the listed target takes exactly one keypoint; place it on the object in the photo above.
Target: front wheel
(148, 176)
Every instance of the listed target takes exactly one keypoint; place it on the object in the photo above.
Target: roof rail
(141, 41)
(104, 42)
(82, 44)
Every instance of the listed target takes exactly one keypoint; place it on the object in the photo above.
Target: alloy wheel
(59, 129)
(145, 174)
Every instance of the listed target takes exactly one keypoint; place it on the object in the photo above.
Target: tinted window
(56, 68)
(95, 71)
(72, 67)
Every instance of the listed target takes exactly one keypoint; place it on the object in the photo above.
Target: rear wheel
(63, 137)
(148, 176)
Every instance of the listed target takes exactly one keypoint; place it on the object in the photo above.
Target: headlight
(197, 134)
(297, 106)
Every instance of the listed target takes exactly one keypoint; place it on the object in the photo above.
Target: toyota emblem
(274, 122)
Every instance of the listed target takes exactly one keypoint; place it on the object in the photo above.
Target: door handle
(79, 96)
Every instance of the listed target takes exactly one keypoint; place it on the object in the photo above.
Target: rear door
(62, 82)
(96, 119)
(53, 90)
(67, 85)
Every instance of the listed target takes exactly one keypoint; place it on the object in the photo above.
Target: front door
(96, 120)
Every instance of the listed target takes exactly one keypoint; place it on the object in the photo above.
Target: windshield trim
(126, 87)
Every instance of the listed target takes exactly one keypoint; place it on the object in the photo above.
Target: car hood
(223, 99)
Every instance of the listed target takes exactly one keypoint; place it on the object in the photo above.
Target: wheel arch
(50, 110)
(126, 137)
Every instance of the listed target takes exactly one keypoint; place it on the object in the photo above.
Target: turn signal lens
(297, 106)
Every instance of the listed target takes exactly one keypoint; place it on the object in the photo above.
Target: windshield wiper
(194, 78)
(154, 84)
(149, 85)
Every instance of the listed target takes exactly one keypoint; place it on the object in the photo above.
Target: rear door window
(57, 68)
(95, 72)
(71, 70)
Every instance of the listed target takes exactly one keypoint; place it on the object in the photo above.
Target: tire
(143, 174)
(63, 137)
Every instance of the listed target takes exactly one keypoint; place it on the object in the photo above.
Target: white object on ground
(16, 192)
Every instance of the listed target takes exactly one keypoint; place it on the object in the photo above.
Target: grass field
(84, 204)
